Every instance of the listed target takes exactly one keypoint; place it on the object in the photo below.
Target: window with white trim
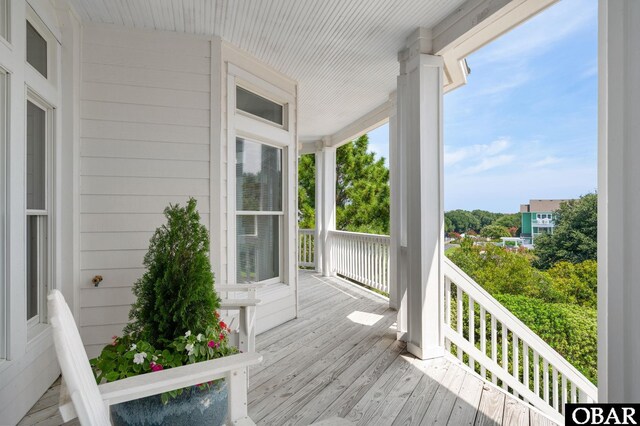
(259, 212)
(4, 19)
(37, 214)
(37, 55)
(259, 106)
(4, 101)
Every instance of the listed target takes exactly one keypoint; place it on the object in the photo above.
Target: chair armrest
(175, 378)
(238, 303)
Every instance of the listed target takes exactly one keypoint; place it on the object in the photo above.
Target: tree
(574, 237)
(362, 189)
(462, 221)
(307, 191)
(176, 293)
(495, 232)
(510, 220)
(485, 218)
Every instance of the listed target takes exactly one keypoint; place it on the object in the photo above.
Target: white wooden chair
(244, 336)
(83, 398)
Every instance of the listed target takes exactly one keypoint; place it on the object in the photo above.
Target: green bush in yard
(569, 329)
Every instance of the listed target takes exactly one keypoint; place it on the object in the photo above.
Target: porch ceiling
(342, 53)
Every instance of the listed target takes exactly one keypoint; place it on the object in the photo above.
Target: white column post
(319, 247)
(420, 109)
(394, 183)
(618, 201)
(326, 208)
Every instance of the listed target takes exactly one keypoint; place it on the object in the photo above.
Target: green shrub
(176, 293)
(569, 329)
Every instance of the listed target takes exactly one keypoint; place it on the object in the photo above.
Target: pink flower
(213, 344)
(115, 340)
(223, 324)
(222, 336)
(156, 367)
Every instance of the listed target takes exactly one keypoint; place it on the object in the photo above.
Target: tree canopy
(362, 189)
(575, 235)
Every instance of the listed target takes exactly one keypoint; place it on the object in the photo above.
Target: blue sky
(525, 125)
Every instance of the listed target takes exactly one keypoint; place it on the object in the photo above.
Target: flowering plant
(174, 320)
(127, 356)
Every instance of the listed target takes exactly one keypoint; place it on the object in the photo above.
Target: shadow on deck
(340, 358)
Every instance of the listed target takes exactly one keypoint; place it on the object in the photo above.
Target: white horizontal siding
(145, 143)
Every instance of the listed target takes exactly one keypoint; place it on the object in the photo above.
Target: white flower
(154, 358)
(133, 347)
(199, 337)
(188, 333)
(139, 357)
(189, 349)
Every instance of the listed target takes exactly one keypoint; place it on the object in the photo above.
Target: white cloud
(474, 152)
(489, 163)
(547, 161)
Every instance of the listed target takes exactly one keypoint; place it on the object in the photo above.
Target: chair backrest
(74, 364)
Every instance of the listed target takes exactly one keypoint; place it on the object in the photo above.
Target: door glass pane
(258, 254)
(36, 157)
(257, 105)
(36, 50)
(258, 177)
(32, 266)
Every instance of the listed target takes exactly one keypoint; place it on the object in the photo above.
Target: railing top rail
(503, 315)
(306, 231)
(361, 234)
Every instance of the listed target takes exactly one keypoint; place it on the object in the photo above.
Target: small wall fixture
(97, 280)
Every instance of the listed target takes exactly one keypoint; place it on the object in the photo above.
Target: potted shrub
(173, 322)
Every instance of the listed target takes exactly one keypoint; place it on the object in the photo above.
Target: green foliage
(307, 191)
(362, 189)
(494, 232)
(501, 271)
(512, 221)
(176, 292)
(576, 283)
(128, 356)
(571, 330)
(574, 237)
(462, 221)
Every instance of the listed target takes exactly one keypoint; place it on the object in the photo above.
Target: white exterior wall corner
(618, 201)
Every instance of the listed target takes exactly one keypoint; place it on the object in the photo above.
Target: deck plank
(443, 401)
(466, 405)
(491, 407)
(515, 413)
(417, 404)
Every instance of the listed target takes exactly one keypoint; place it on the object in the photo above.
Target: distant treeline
(474, 221)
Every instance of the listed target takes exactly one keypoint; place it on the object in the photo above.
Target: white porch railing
(306, 248)
(361, 257)
(483, 333)
(491, 340)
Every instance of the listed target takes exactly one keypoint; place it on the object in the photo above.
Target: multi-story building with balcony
(538, 217)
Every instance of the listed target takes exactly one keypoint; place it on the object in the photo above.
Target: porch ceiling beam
(472, 26)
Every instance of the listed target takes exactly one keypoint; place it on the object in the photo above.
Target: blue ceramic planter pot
(193, 407)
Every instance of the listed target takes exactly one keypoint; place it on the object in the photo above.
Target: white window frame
(280, 214)
(7, 24)
(45, 276)
(4, 136)
(241, 124)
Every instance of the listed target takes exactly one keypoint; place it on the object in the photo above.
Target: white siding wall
(145, 143)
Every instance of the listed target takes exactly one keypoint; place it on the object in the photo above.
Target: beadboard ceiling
(343, 53)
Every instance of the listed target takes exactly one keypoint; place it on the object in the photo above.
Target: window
(36, 50)
(4, 98)
(258, 106)
(259, 212)
(37, 211)
(4, 19)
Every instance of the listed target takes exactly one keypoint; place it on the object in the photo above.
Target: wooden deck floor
(340, 359)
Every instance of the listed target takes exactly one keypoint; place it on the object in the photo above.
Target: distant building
(538, 217)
